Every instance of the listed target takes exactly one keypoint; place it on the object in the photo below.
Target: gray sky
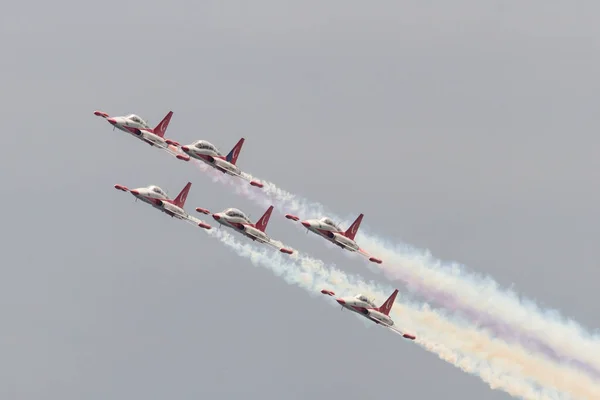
(466, 128)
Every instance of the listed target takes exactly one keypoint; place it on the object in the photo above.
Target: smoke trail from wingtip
(502, 366)
(478, 298)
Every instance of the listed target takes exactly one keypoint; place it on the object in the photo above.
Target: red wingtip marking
(408, 336)
(287, 251)
(257, 184)
(121, 187)
(172, 142)
(101, 114)
(375, 260)
(328, 292)
(203, 225)
(202, 210)
(183, 157)
(292, 217)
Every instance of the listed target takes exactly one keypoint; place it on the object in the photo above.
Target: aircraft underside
(342, 245)
(365, 313)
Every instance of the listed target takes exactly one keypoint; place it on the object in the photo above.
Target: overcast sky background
(466, 127)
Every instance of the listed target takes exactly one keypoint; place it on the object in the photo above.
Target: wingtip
(99, 113)
(204, 225)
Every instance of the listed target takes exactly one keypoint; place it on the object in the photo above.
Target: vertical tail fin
(161, 128)
(235, 152)
(264, 220)
(387, 306)
(351, 232)
(182, 196)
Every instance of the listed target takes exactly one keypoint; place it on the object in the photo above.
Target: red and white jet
(208, 153)
(364, 306)
(139, 128)
(158, 199)
(331, 231)
(238, 221)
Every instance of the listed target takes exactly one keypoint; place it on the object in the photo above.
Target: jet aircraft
(137, 127)
(209, 154)
(331, 231)
(364, 306)
(158, 199)
(238, 221)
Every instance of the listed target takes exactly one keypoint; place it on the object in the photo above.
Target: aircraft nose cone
(111, 120)
(341, 301)
(185, 148)
(216, 216)
(306, 224)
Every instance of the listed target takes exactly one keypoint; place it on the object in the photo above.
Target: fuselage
(158, 199)
(366, 309)
(208, 153)
(326, 228)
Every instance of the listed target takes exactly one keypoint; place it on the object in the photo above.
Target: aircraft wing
(370, 257)
(193, 220)
(403, 334)
(245, 177)
(170, 149)
(278, 245)
(170, 146)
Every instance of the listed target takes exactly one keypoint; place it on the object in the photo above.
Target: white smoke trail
(422, 272)
(509, 368)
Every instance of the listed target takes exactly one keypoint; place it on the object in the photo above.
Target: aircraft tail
(161, 128)
(264, 220)
(387, 306)
(351, 232)
(182, 196)
(235, 152)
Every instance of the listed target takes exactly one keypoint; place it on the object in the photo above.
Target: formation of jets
(235, 219)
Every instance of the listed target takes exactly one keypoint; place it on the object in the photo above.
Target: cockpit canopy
(204, 145)
(328, 221)
(136, 119)
(157, 190)
(364, 298)
(234, 212)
